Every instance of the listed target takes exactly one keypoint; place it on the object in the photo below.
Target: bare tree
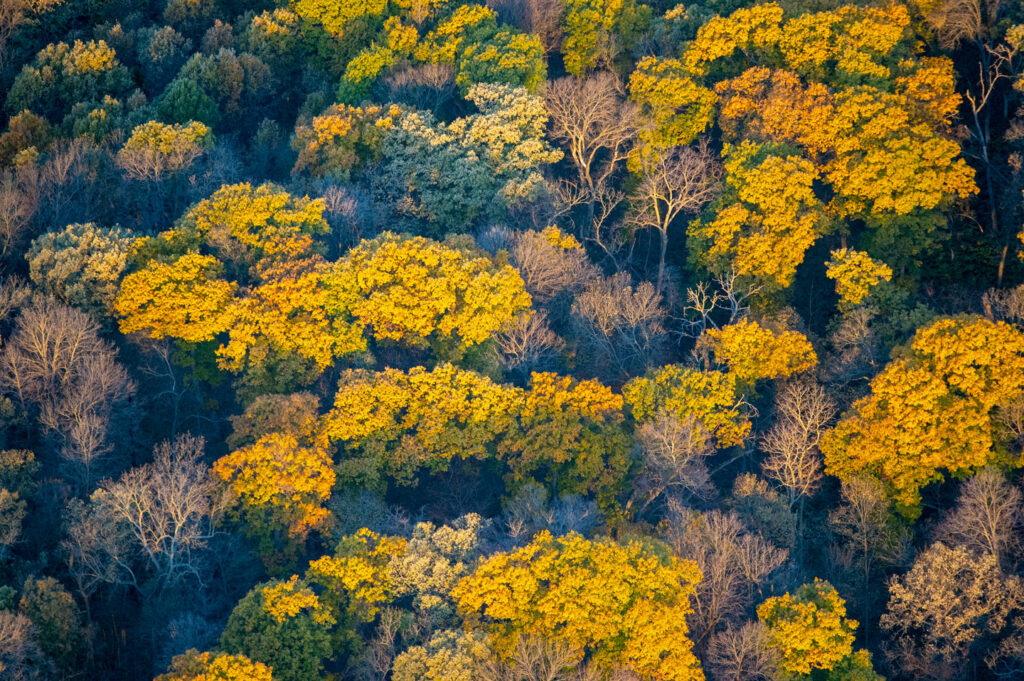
(676, 182)
(426, 86)
(13, 15)
(169, 509)
(20, 656)
(56, 362)
(533, 659)
(672, 458)
(529, 344)
(803, 411)
(620, 325)
(547, 269)
(733, 560)
(595, 123)
(988, 517)
(742, 654)
(19, 201)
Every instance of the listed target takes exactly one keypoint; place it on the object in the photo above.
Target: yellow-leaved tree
(808, 628)
(712, 397)
(196, 666)
(855, 274)
(279, 486)
(753, 352)
(931, 409)
(416, 291)
(620, 605)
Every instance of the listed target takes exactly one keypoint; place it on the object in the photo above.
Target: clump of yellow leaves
(412, 289)
(285, 600)
(855, 273)
(931, 410)
(712, 397)
(618, 604)
(279, 479)
(809, 628)
(196, 666)
(753, 352)
(358, 573)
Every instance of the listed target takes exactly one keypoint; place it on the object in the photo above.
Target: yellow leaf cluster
(855, 273)
(809, 629)
(753, 352)
(712, 397)
(773, 219)
(619, 604)
(410, 289)
(285, 600)
(932, 409)
(279, 476)
(359, 571)
(195, 666)
(338, 141)
(674, 109)
(183, 299)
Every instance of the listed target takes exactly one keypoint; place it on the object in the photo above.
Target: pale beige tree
(803, 411)
(742, 654)
(672, 460)
(20, 656)
(734, 562)
(529, 344)
(944, 609)
(988, 517)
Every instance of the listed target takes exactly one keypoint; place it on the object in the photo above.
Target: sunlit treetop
(855, 274)
(246, 224)
(196, 666)
(184, 299)
(621, 605)
(808, 628)
(338, 141)
(414, 290)
(334, 15)
(931, 409)
(753, 352)
(356, 578)
(769, 216)
(712, 397)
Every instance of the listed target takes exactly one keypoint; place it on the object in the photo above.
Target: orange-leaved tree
(931, 409)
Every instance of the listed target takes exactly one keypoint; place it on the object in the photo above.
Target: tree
(57, 620)
(673, 108)
(284, 625)
(81, 265)
(62, 75)
(711, 397)
(339, 141)
(278, 484)
(753, 352)
(508, 57)
(452, 176)
(809, 628)
(155, 150)
(987, 518)
(672, 453)
(941, 612)
(768, 218)
(855, 274)
(620, 323)
(590, 118)
(185, 299)
(676, 182)
(803, 411)
(20, 656)
(596, 31)
(931, 409)
(168, 510)
(196, 666)
(417, 292)
(734, 563)
(620, 605)
(742, 654)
